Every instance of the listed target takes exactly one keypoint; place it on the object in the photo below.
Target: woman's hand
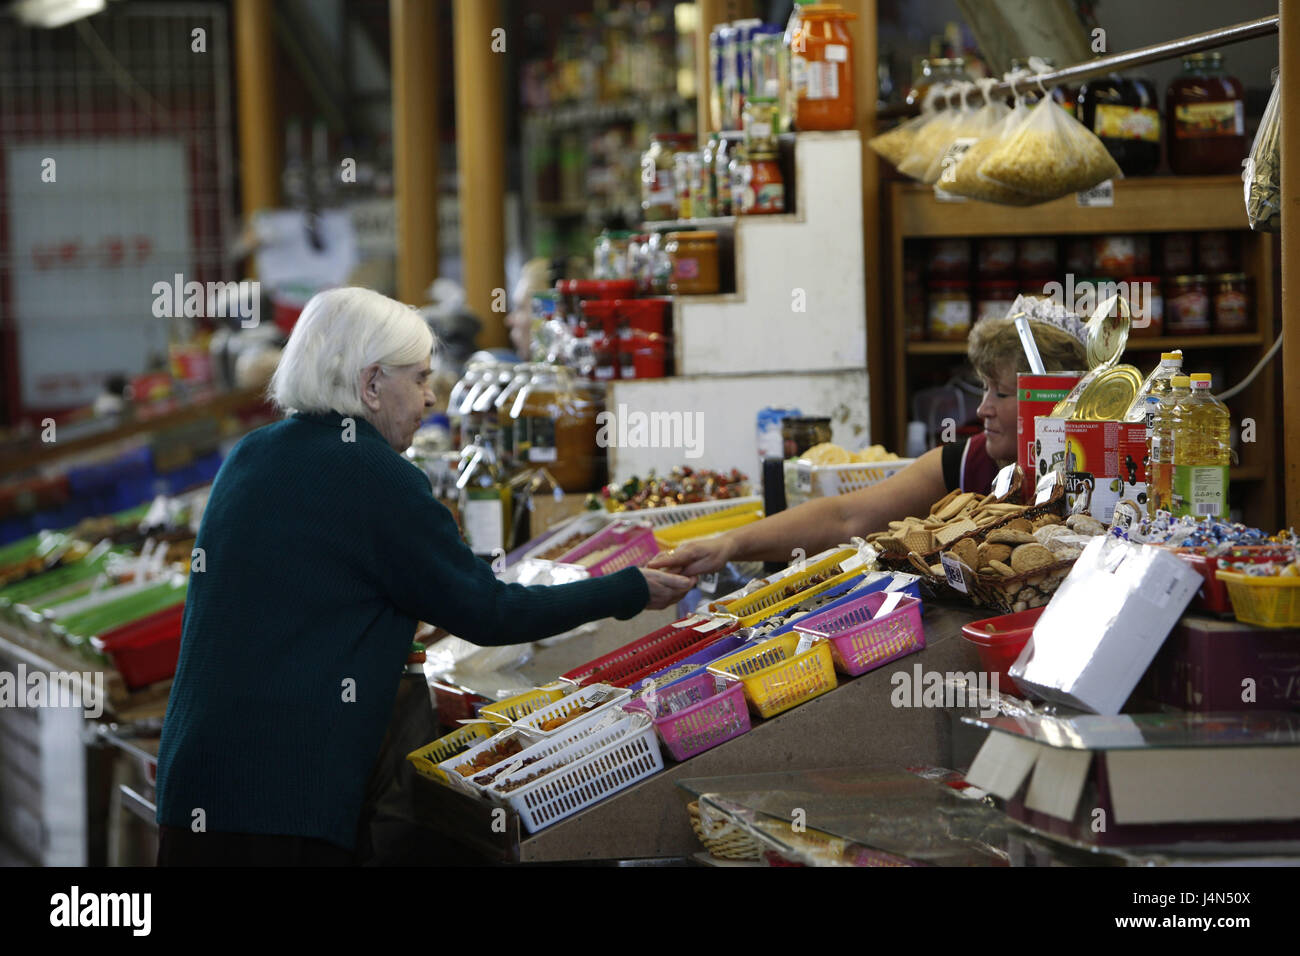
(698, 557)
(665, 589)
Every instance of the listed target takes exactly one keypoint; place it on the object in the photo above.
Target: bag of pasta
(963, 177)
(967, 129)
(1263, 170)
(1049, 155)
(894, 145)
(931, 141)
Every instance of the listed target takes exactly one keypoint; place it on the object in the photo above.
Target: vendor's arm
(819, 524)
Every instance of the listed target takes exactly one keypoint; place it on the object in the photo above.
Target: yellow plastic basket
(506, 712)
(775, 678)
(1268, 602)
(426, 759)
(673, 535)
(767, 601)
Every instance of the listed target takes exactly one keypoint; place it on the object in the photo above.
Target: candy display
(682, 485)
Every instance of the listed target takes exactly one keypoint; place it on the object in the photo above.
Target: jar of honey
(694, 258)
(1205, 115)
(821, 67)
(1231, 294)
(555, 428)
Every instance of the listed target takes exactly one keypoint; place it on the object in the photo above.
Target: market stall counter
(855, 725)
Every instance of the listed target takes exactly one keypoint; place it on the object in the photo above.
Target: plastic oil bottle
(484, 499)
(1160, 444)
(1144, 406)
(1202, 453)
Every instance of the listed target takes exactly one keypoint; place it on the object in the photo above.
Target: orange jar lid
(702, 236)
(815, 10)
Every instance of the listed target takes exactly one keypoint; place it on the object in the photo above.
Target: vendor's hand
(698, 557)
(666, 589)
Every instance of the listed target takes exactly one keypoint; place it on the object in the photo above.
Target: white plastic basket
(676, 514)
(587, 524)
(563, 749)
(464, 784)
(609, 697)
(823, 481)
(588, 780)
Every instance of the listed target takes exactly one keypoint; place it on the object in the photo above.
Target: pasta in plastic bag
(931, 142)
(963, 178)
(971, 126)
(1263, 169)
(1051, 154)
(894, 145)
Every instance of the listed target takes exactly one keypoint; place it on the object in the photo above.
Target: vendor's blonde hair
(995, 351)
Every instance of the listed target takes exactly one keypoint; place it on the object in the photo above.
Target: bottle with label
(708, 178)
(1125, 115)
(821, 67)
(1205, 114)
(1144, 407)
(555, 429)
(722, 176)
(484, 499)
(1202, 454)
(1161, 445)
(473, 372)
(764, 192)
(470, 419)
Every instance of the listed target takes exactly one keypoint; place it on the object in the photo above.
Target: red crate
(145, 651)
(650, 654)
(1213, 595)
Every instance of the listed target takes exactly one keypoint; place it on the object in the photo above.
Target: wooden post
(414, 26)
(1289, 30)
(481, 48)
(260, 139)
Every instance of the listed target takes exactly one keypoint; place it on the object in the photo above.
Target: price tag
(713, 625)
(890, 603)
(951, 157)
(1126, 513)
(836, 53)
(853, 563)
(902, 580)
(1046, 486)
(692, 620)
(709, 583)
(1099, 196)
(803, 475)
(957, 572)
(806, 641)
(1002, 483)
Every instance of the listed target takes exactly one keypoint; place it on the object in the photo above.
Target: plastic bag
(894, 145)
(1051, 154)
(966, 130)
(963, 178)
(931, 141)
(1263, 169)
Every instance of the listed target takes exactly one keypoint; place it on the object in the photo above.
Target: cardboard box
(1104, 464)
(1036, 395)
(1104, 625)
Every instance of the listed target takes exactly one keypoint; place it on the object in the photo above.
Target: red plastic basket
(1213, 595)
(999, 641)
(650, 654)
(145, 651)
(455, 703)
(859, 640)
(636, 545)
(693, 716)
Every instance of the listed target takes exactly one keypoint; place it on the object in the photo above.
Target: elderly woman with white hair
(323, 546)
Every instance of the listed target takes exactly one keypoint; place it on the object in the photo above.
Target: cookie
(1007, 536)
(1042, 520)
(1019, 524)
(1027, 557)
(1085, 524)
(950, 533)
(996, 552)
(966, 551)
(922, 542)
(1002, 569)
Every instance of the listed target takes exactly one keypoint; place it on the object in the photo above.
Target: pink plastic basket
(692, 715)
(636, 545)
(860, 641)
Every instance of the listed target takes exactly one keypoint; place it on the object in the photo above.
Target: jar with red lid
(1114, 256)
(1146, 298)
(1232, 302)
(994, 298)
(949, 259)
(1216, 252)
(763, 188)
(948, 310)
(995, 258)
(1036, 257)
(1187, 305)
(602, 330)
(1205, 115)
(1177, 253)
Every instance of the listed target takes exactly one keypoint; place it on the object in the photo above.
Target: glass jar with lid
(936, 70)
(473, 372)
(694, 257)
(520, 374)
(658, 189)
(798, 434)
(611, 255)
(821, 68)
(1124, 113)
(1205, 115)
(470, 419)
(483, 414)
(555, 429)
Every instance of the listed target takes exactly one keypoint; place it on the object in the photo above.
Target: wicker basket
(724, 840)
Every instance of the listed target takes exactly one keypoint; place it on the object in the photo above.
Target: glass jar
(694, 258)
(760, 127)
(473, 372)
(1215, 252)
(1125, 115)
(1036, 257)
(1115, 256)
(798, 434)
(658, 188)
(471, 420)
(764, 188)
(934, 71)
(686, 170)
(505, 428)
(737, 169)
(1078, 255)
(1187, 305)
(995, 258)
(661, 264)
(638, 262)
(949, 259)
(611, 255)
(821, 68)
(707, 201)
(722, 176)
(602, 330)
(555, 429)
(1232, 302)
(1146, 298)
(995, 297)
(484, 412)
(1177, 253)
(1205, 115)
(948, 310)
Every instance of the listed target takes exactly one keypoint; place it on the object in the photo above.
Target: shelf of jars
(1163, 343)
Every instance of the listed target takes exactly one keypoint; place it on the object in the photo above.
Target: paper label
(805, 642)
(484, 520)
(1101, 195)
(1206, 120)
(890, 603)
(1046, 485)
(837, 53)
(957, 573)
(1002, 483)
(1127, 122)
(852, 564)
(902, 580)
(708, 583)
(691, 621)
(803, 475)
(713, 625)
(1200, 491)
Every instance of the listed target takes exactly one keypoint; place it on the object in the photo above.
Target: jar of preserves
(821, 68)
(934, 71)
(948, 310)
(1187, 305)
(1114, 256)
(995, 297)
(638, 262)
(1147, 301)
(610, 257)
(764, 187)
(1036, 257)
(1177, 253)
(1125, 115)
(1232, 302)
(555, 428)
(737, 169)
(694, 257)
(995, 258)
(473, 373)
(602, 330)
(470, 420)
(707, 202)
(1205, 114)
(949, 259)
(661, 265)
(658, 188)
(1215, 252)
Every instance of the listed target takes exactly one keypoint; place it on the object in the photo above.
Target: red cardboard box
(1036, 395)
(1207, 665)
(1104, 461)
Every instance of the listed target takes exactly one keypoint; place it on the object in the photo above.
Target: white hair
(341, 332)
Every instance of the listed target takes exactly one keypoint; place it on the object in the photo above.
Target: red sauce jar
(1187, 305)
(949, 259)
(1177, 253)
(1215, 252)
(996, 258)
(948, 315)
(1232, 302)
(1036, 257)
(1205, 115)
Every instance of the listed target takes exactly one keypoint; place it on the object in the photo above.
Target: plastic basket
(551, 753)
(635, 542)
(999, 641)
(694, 715)
(652, 653)
(710, 524)
(511, 709)
(852, 591)
(458, 781)
(607, 697)
(588, 780)
(427, 758)
(790, 590)
(1268, 602)
(145, 651)
(824, 481)
(1213, 594)
(775, 678)
(455, 703)
(700, 658)
(574, 533)
(676, 514)
(859, 640)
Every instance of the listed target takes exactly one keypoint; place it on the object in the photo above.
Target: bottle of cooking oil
(1160, 444)
(484, 499)
(1156, 384)
(1202, 454)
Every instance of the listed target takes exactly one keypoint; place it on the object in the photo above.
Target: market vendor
(320, 548)
(996, 354)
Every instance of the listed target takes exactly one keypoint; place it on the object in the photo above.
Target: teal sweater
(320, 554)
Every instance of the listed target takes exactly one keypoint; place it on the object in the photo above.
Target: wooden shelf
(1246, 473)
(1158, 343)
(1147, 204)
